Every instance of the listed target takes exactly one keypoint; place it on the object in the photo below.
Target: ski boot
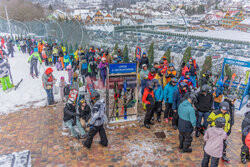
(187, 150)
(197, 132)
(225, 158)
(243, 158)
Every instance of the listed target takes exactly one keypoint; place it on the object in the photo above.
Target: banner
(122, 68)
(138, 53)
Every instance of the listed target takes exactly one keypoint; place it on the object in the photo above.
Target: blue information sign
(122, 68)
(237, 62)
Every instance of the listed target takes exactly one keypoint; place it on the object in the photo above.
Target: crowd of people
(193, 106)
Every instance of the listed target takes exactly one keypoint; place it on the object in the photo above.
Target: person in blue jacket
(187, 79)
(187, 122)
(177, 98)
(218, 95)
(158, 92)
(168, 98)
(193, 69)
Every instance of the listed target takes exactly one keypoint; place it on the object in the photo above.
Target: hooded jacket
(214, 138)
(148, 97)
(187, 118)
(169, 93)
(205, 102)
(216, 114)
(218, 94)
(158, 93)
(98, 116)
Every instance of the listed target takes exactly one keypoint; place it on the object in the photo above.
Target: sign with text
(122, 68)
(237, 62)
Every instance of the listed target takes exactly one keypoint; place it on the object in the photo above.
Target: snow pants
(50, 96)
(203, 115)
(149, 113)
(168, 111)
(69, 124)
(157, 109)
(5, 81)
(175, 118)
(11, 52)
(185, 139)
(33, 66)
(92, 132)
(206, 158)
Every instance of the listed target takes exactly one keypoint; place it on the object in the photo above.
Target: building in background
(232, 18)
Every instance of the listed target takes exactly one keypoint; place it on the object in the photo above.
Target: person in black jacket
(85, 114)
(70, 119)
(204, 107)
(245, 127)
(144, 60)
(230, 99)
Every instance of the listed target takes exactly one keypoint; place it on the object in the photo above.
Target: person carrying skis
(177, 98)
(158, 94)
(218, 94)
(144, 59)
(33, 62)
(204, 107)
(170, 73)
(97, 120)
(222, 112)
(48, 81)
(245, 128)
(4, 74)
(148, 99)
(103, 67)
(214, 138)
(151, 74)
(85, 113)
(144, 77)
(168, 98)
(193, 69)
(161, 77)
(186, 122)
(10, 47)
(70, 118)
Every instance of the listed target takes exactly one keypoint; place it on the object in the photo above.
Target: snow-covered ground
(30, 92)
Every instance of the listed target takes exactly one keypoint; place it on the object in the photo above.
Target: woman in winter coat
(48, 82)
(70, 72)
(103, 67)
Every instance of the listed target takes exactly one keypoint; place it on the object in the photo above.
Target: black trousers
(185, 139)
(157, 109)
(206, 158)
(168, 111)
(149, 113)
(175, 118)
(92, 132)
(244, 148)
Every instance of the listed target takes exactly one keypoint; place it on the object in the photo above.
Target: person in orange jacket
(40, 47)
(149, 100)
(170, 73)
(162, 66)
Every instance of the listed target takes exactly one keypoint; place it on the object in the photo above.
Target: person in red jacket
(149, 100)
(151, 74)
(2, 43)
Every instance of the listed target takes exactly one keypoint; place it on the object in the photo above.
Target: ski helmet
(161, 62)
(220, 122)
(205, 88)
(224, 106)
(182, 85)
(95, 96)
(152, 70)
(170, 65)
(193, 97)
(173, 81)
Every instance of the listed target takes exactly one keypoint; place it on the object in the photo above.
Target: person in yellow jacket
(161, 77)
(222, 112)
(170, 73)
(78, 53)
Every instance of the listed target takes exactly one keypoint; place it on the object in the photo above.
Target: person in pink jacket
(214, 138)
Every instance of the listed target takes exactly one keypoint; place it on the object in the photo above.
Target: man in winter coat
(4, 74)
(245, 129)
(204, 107)
(161, 77)
(186, 122)
(97, 120)
(103, 70)
(168, 98)
(10, 47)
(48, 81)
(33, 62)
(70, 118)
(218, 94)
(149, 99)
(177, 98)
(158, 93)
(144, 60)
(144, 77)
(170, 73)
(193, 68)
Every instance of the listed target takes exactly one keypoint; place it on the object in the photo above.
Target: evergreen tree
(151, 54)
(167, 54)
(115, 48)
(207, 65)
(125, 54)
(187, 55)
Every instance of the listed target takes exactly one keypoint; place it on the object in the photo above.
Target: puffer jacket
(98, 116)
(169, 75)
(216, 114)
(150, 76)
(158, 93)
(4, 68)
(169, 93)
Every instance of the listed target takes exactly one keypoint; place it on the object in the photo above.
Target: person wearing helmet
(245, 129)
(214, 138)
(230, 99)
(218, 94)
(204, 107)
(33, 63)
(97, 120)
(165, 60)
(149, 99)
(178, 96)
(170, 73)
(144, 77)
(48, 81)
(85, 113)
(70, 117)
(193, 68)
(158, 93)
(168, 93)
(206, 79)
(103, 70)
(222, 112)
(186, 79)
(186, 122)
(144, 59)
(4, 74)
(151, 74)
(161, 77)
(162, 66)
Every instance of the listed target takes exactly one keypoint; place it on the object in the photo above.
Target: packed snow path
(30, 92)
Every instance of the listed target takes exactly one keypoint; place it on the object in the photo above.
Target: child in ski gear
(62, 85)
(144, 59)
(178, 95)
(97, 120)
(70, 119)
(149, 99)
(48, 81)
(218, 94)
(4, 74)
(193, 68)
(204, 107)
(222, 112)
(151, 74)
(158, 94)
(85, 114)
(245, 127)
(103, 67)
(186, 122)
(161, 77)
(168, 98)
(144, 77)
(214, 138)
(33, 62)
(170, 73)
(70, 73)
(58, 65)
(66, 60)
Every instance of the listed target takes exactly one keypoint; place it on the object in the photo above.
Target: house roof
(232, 13)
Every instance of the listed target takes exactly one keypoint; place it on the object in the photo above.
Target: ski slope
(30, 92)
